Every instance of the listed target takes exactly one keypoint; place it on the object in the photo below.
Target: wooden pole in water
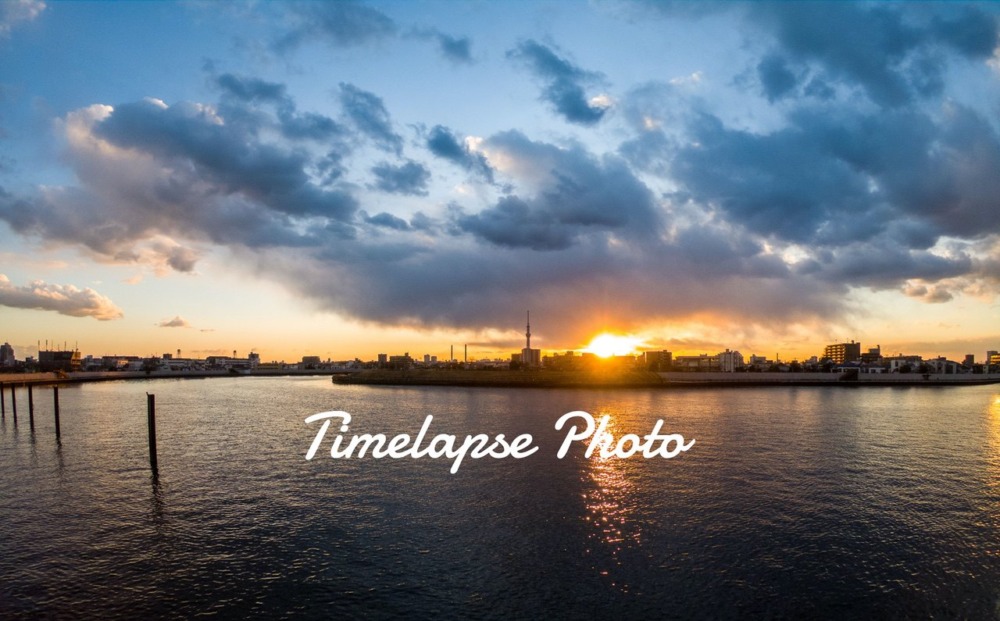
(13, 403)
(3, 403)
(31, 409)
(151, 422)
(55, 407)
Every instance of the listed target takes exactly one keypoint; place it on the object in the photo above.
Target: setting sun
(607, 345)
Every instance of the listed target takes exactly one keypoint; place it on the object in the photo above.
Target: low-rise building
(903, 364)
(701, 362)
(59, 360)
(658, 360)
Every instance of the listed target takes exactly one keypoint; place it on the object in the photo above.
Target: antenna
(527, 334)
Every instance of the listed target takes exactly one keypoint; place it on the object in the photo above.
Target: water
(803, 502)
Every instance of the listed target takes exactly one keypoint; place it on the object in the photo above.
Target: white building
(730, 361)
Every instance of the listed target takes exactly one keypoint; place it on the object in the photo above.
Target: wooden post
(151, 422)
(31, 409)
(3, 403)
(55, 407)
(13, 403)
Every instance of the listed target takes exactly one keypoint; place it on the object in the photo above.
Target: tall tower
(527, 333)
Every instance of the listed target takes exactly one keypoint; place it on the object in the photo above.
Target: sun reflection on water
(609, 504)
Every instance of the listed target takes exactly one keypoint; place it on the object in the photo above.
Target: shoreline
(645, 379)
(526, 379)
(79, 377)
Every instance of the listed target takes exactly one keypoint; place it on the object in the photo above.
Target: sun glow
(607, 345)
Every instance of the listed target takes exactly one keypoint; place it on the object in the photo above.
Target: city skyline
(346, 179)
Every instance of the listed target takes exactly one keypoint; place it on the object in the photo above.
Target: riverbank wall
(24, 379)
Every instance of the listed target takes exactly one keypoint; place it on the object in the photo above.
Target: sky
(345, 179)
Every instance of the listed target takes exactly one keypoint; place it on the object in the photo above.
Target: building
(658, 360)
(970, 361)
(225, 362)
(943, 365)
(59, 360)
(992, 358)
(904, 364)
(7, 355)
(701, 362)
(730, 361)
(840, 353)
(401, 362)
(310, 362)
(531, 357)
(873, 356)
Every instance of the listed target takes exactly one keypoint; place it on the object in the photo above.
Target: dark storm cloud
(444, 144)
(563, 82)
(224, 156)
(368, 113)
(410, 178)
(340, 24)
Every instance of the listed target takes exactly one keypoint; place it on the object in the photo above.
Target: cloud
(63, 299)
(191, 171)
(578, 195)
(776, 78)
(182, 259)
(834, 174)
(458, 50)
(243, 94)
(14, 12)
(176, 322)
(222, 155)
(389, 221)
(894, 56)
(368, 113)
(250, 89)
(563, 80)
(409, 179)
(444, 144)
(455, 49)
(338, 24)
(699, 212)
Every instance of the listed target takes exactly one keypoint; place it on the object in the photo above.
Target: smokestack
(466, 353)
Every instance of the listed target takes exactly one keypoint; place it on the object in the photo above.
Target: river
(793, 502)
